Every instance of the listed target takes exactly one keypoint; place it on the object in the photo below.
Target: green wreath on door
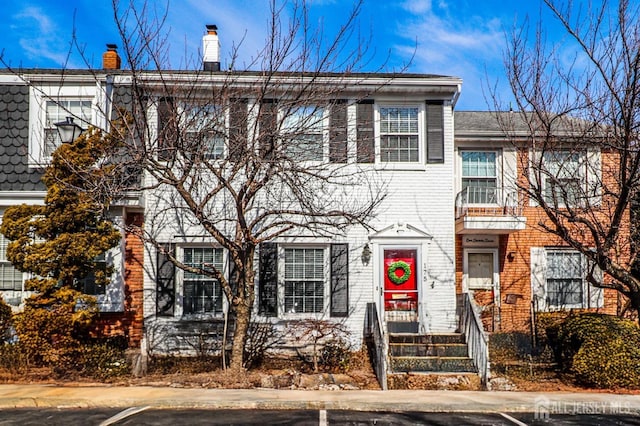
(393, 267)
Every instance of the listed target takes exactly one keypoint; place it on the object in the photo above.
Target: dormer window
(50, 104)
(57, 111)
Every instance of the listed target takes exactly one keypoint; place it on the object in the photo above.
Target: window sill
(200, 317)
(415, 167)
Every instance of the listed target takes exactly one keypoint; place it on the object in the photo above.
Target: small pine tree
(58, 243)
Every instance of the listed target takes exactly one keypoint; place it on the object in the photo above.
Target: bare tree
(237, 158)
(577, 126)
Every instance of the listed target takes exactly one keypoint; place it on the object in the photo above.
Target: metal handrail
(476, 338)
(373, 330)
(488, 200)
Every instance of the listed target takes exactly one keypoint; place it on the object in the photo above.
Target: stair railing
(378, 347)
(477, 340)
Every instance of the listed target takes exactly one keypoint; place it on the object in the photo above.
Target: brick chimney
(110, 58)
(211, 49)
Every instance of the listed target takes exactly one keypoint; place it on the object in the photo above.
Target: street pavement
(55, 396)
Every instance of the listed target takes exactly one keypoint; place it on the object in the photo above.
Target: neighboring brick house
(512, 266)
(30, 104)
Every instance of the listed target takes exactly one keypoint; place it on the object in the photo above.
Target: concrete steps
(438, 353)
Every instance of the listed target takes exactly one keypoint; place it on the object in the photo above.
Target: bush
(602, 351)
(104, 360)
(12, 359)
(336, 355)
(5, 321)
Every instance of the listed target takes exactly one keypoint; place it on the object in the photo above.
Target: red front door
(400, 280)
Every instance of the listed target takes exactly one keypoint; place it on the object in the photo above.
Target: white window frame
(5, 262)
(189, 127)
(324, 132)
(281, 282)
(590, 168)
(466, 282)
(180, 287)
(592, 297)
(583, 283)
(38, 98)
(498, 176)
(421, 134)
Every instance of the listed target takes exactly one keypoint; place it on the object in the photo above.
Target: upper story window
(55, 112)
(304, 280)
(202, 294)
(303, 133)
(563, 177)
(52, 103)
(480, 176)
(205, 130)
(10, 277)
(399, 134)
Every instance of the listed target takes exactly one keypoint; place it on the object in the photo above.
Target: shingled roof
(15, 173)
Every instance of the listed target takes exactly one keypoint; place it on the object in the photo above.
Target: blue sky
(462, 38)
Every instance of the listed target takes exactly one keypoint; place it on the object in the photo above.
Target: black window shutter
(268, 276)
(167, 129)
(165, 281)
(237, 129)
(338, 132)
(268, 122)
(435, 132)
(339, 280)
(365, 134)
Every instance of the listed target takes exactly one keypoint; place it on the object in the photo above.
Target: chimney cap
(112, 46)
(212, 27)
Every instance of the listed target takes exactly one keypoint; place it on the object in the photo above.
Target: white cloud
(460, 45)
(38, 36)
(417, 6)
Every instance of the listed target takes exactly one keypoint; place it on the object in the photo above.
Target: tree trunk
(634, 300)
(243, 316)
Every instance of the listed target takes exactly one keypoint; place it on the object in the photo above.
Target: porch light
(366, 254)
(68, 130)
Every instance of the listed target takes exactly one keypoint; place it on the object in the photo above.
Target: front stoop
(430, 353)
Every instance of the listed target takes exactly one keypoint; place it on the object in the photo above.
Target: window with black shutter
(237, 129)
(435, 132)
(365, 151)
(339, 280)
(338, 132)
(268, 280)
(268, 124)
(165, 281)
(167, 129)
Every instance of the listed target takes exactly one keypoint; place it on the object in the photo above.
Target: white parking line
(322, 420)
(511, 419)
(123, 415)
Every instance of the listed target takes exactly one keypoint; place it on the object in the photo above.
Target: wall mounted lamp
(68, 130)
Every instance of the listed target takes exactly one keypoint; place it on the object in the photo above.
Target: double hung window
(563, 177)
(303, 133)
(10, 277)
(202, 293)
(89, 284)
(564, 277)
(205, 130)
(480, 176)
(57, 111)
(399, 134)
(304, 280)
